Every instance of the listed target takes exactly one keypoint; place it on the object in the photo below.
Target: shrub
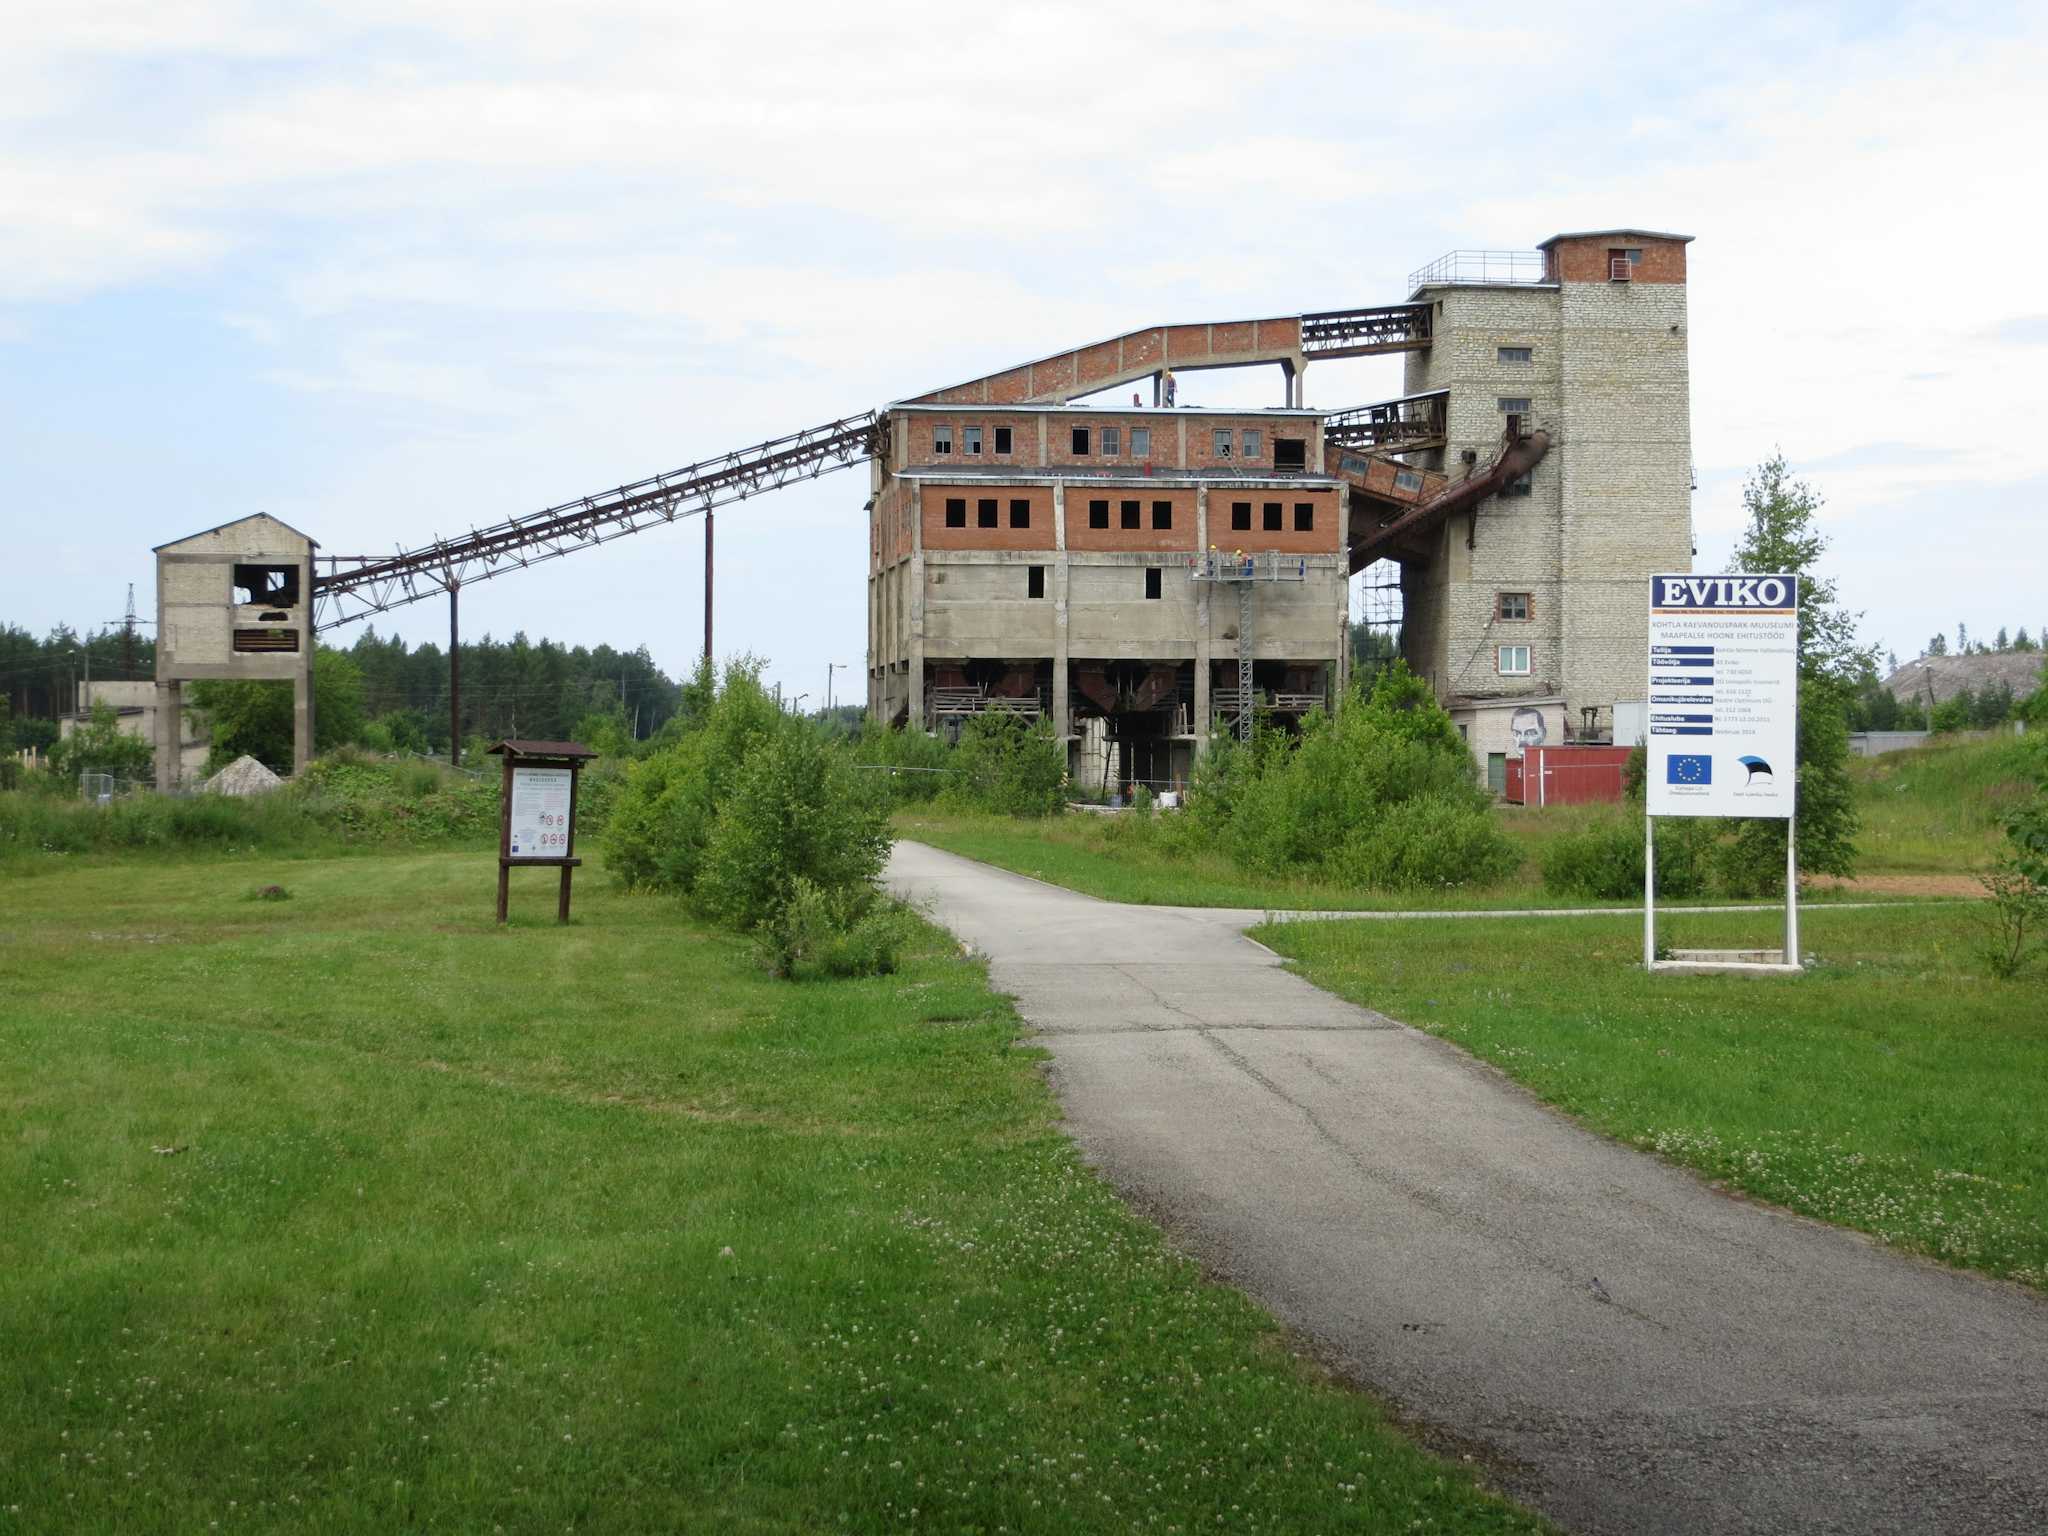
(1606, 859)
(1007, 766)
(99, 745)
(845, 933)
(907, 767)
(794, 813)
(1751, 862)
(2017, 886)
(1429, 841)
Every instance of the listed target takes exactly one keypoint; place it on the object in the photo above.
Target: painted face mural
(1527, 727)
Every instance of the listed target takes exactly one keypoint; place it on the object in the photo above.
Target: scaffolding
(1380, 613)
(1245, 572)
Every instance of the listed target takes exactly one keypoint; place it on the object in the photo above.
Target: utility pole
(707, 586)
(830, 668)
(454, 678)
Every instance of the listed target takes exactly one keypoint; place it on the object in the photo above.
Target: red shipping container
(1566, 775)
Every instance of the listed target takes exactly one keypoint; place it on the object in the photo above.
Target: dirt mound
(244, 776)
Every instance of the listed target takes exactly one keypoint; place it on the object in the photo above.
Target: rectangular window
(1272, 511)
(1162, 514)
(1514, 405)
(1002, 439)
(1512, 605)
(1635, 255)
(1129, 511)
(1407, 480)
(1081, 442)
(1240, 517)
(1112, 441)
(1304, 517)
(1020, 512)
(1521, 485)
(1250, 448)
(1141, 442)
(942, 440)
(956, 511)
(985, 512)
(1290, 453)
(1034, 581)
(1152, 582)
(1221, 440)
(970, 440)
(1513, 354)
(1098, 514)
(1514, 661)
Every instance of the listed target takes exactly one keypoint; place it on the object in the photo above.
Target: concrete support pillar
(302, 713)
(1289, 387)
(1200, 723)
(170, 734)
(1062, 714)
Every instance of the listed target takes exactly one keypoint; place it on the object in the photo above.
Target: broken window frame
(1220, 442)
(1078, 443)
(1505, 604)
(1003, 440)
(256, 576)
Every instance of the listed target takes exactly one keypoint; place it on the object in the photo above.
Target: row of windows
(985, 511)
(1130, 514)
(1103, 442)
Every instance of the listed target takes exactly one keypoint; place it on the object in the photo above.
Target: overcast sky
(387, 270)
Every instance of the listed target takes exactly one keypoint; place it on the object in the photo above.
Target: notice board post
(537, 814)
(1722, 729)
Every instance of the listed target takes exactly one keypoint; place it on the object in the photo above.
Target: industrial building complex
(1063, 541)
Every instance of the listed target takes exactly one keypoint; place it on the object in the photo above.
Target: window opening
(1272, 516)
(1513, 354)
(1290, 453)
(1220, 439)
(1304, 517)
(942, 440)
(970, 440)
(1162, 514)
(1514, 661)
(1129, 510)
(1112, 441)
(1034, 581)
(1407, 480)
(1251, 445)
(1240, 517)
(1020, 512)
(1513, 605)
(1098, 514)
(1081, 441)
(956, 511)
(1521, 485)
(1141, 442)
(1514, 405)
(1152, 582)
(274, 586)
(1002, 439)
(985, 512)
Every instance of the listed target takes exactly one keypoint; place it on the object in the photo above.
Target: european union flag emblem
(1688, 768)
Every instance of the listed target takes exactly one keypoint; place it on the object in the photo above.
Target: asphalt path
(1619, 1344)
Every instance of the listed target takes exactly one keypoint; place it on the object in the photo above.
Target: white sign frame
(1722, 700)
(538, 821)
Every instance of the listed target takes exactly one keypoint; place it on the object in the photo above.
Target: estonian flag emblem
(1757, 767)
(1688, 768)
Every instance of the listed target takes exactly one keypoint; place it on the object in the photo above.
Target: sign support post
(537, 814)
(1723, 737)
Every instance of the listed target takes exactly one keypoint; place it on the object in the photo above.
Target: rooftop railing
(1481, 267)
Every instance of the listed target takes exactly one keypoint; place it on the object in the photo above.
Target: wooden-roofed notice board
(537, 812)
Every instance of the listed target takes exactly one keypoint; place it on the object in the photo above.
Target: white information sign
(1723, 726)
(540, 813)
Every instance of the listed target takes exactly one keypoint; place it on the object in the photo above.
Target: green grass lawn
(1935, 809)
(1894, 1088)
(353, 1212)
(1075, 851)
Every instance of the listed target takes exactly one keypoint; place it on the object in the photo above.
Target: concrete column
(170, 734)
(915, 682)
(302, 713)
(1062, 718)
(1200, 724)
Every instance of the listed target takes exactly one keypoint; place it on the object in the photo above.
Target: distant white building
(135, 711)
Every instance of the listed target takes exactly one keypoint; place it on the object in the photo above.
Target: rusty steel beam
(1519, 454)
(355, 586)
(1366, 332)
(1411, 423)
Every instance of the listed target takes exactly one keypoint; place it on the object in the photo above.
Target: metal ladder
(1244, 662)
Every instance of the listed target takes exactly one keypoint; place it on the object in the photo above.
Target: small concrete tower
(234, 602)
